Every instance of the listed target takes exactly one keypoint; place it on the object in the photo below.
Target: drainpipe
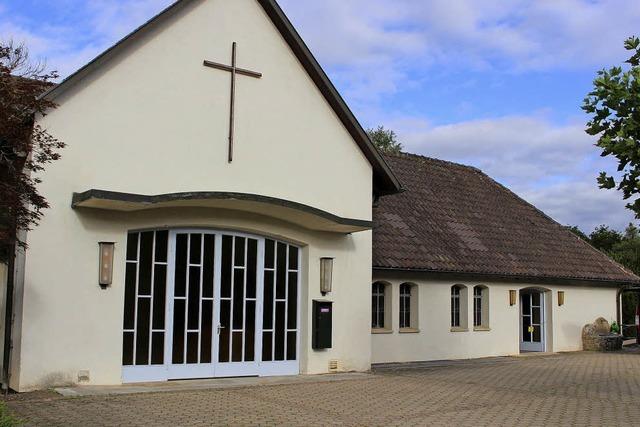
(618, 308)
(8, 319)
(638, 322)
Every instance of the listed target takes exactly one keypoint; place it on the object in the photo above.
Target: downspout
(8, 320)
(618, 307)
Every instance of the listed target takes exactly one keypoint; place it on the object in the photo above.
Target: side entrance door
(532, 321)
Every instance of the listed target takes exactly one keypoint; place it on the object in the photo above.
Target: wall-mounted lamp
(560, 298)
(512, 297)
(326, 275)
(106, 264)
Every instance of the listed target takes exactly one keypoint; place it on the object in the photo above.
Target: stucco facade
(152, 120)
(147, 133)
(435, 339)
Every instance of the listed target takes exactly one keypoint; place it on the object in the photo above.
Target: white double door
(213, 308)
(203, 304)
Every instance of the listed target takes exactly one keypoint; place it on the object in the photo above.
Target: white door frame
(216, 368)
(531, 346)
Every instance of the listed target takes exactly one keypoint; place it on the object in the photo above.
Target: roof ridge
(433, 159)
(417, 214)
(561, 227)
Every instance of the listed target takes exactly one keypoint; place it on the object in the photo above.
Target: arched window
(458, 308)
(377, 307)
(480, 307)
(455, 306)
(405, 305)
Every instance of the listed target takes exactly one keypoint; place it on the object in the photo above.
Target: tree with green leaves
(614, 107)
(385, 140)
(605, 238)
(576, 230)
(623, 248)
(25, 147)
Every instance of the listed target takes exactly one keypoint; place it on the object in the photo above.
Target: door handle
(219, 328)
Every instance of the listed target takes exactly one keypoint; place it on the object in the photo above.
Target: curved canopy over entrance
(286, 210)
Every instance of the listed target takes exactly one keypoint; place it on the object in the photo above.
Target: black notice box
(322, 321)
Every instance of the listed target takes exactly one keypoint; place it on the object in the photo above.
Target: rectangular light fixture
(106, 264)
(560, 298)
(512, 297)
(326, 275)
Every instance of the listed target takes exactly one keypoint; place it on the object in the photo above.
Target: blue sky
(493, 83)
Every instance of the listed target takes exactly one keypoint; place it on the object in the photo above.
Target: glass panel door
(145, 286)
(237, 330)
(203, 304)
(191, 305)
(280, 338)
(532, 321)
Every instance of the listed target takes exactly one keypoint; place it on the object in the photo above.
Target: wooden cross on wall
(233, 69)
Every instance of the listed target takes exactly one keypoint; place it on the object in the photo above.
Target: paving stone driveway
(568, 389)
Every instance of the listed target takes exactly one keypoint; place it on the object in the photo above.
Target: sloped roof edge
(454, 220)
(385, 181)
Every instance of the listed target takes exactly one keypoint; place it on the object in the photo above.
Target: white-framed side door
(532, 321)
(191, 302)
(238, 314)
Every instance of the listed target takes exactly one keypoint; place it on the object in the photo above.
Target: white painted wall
(436, 341)
(155, 121)
(66, 309)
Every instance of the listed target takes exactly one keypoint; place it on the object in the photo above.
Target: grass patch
(6, 419)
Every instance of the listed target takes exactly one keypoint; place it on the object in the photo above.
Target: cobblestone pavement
(569, 389)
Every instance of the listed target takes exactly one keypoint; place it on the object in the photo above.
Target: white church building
(219, 211)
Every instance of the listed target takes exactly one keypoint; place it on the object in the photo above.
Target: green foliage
(623, 248)
(576, 230)
(614, 107)
(6, 419)
(615, 328)
(25, 148)
(605, 238)
(385, 140)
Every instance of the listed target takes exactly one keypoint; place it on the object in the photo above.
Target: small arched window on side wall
(458, 308)
(480, 307)
(408, 307)
(378, 301)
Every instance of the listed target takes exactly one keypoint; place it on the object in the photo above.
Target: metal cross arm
(233, 70)
(223, 67)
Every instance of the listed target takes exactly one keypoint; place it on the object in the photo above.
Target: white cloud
(580, 203)
(96, 26)
(552, 166)
(112, 20)
(513, 147)
(375, 48)
(525, 34)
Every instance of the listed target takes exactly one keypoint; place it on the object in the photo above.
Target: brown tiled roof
(455, 219)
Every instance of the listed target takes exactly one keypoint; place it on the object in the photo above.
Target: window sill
(381, 331)
(481, 329)
(458, 329)
(409, 330)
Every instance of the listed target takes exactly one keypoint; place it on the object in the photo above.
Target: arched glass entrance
(202, 304)
(532, 320)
